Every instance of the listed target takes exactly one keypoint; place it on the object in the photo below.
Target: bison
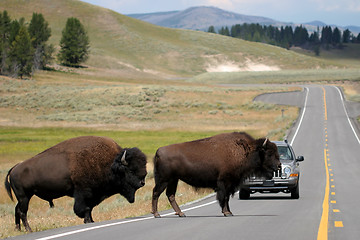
(220, 162)
(89, 169)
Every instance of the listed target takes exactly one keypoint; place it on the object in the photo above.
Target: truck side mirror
(300, 158)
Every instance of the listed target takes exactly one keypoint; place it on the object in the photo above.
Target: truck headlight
(287, 171)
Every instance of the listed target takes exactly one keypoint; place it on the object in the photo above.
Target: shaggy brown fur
(88, 168)
(220, 162)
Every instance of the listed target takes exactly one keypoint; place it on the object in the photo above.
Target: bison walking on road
(220, 162)
(89, 169)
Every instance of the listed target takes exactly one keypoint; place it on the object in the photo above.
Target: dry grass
(352, 91)
(125, 106)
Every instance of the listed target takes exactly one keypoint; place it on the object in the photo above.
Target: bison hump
(90, 158)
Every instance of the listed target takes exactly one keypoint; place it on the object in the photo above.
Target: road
(327, 208)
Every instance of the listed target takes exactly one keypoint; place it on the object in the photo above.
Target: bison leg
(223, 197)
(82, 210)
(17, 218)
(158, 189)
(88, 217)
(170, 193)
(226, 210)
(21, 213)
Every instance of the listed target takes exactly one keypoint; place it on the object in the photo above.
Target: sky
(337, 12)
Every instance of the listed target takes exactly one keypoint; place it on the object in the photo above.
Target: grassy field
(127, 106)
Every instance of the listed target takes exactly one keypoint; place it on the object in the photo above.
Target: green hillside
(124, 46)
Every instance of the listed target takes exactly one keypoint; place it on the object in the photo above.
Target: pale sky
(338, 12)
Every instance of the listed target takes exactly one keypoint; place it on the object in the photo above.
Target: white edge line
(119, 223)
(347, 115)
(302, 116)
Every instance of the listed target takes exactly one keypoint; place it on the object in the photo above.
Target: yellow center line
(325, 103)
(323, 227)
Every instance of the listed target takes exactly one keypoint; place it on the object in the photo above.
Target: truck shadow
(268, 198)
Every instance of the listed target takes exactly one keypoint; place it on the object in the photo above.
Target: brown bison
(220, 162)
(89, 169)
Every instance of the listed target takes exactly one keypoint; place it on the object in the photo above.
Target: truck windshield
(285, 153)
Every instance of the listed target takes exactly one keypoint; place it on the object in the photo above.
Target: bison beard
(220, 162)
(90, 169)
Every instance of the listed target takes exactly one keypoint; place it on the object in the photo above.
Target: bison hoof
(17, 227)
(228, 214)
(180, 214)
(157, 215)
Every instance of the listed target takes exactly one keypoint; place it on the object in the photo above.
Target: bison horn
(264, 144)
(123, 161)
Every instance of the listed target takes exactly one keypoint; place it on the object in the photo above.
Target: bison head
(129, 172)
(268, 156)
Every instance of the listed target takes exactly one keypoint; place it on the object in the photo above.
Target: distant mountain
(316, 23)
(353, 29)
(200, 18)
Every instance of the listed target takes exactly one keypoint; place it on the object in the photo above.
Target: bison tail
(156, 159)
(7, 184)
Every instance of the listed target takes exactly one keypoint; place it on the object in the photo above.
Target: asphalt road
(328, 182)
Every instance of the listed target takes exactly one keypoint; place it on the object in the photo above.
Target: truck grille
(277, 174)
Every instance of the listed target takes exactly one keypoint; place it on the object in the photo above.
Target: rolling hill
(129, 48)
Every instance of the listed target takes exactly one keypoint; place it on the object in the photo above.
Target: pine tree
(336, 37)
(5, 26)
(326, 36)
(289, 35)
(40, 33)
(211, 29)
(226, 31)
(74, 43)
(346, 36)
(301, 35)
(21, 53)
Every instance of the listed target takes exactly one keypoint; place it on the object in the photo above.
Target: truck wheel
(244, 194)
(295, 193)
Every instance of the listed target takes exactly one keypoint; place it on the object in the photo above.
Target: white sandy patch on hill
(248, 66)
(224, 67)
